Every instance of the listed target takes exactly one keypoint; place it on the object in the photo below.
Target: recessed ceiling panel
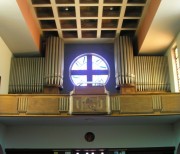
(47, 24)
(108, 33)
(113, 1)
(130, 23)
(68, 24)
(109, 23)
(89, 34)
(69, 34)
(89, 1)
(65, 1)
(133, 11)
(89, 11)
(111, 11)
(44, 12)
(137, 1)
(66, 11)
(89, 23)
(82, 19)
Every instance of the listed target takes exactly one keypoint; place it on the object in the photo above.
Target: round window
(89, 69)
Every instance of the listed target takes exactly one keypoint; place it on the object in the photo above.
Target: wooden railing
(118, 105)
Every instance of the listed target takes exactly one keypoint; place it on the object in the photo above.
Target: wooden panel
(91, 104)
(43, 106)
(63, 104)
(157, 105)
(126, 89)
(8, 105)
(22, 104)
(89, 90)
(51, 90)
(115, 103)
(136, 104)
(171, 103)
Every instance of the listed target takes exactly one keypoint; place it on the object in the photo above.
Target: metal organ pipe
(124, 63)
(26, 75)
(54, 62)
(29, 75)
(151, 73)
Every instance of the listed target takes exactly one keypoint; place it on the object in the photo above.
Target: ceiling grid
(87, 20)
(78, 21)
(123, 8)
(99, 21)
(55, 13)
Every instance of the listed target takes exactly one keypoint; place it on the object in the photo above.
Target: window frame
(90, 71)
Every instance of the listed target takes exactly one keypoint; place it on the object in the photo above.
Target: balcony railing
(109, 105)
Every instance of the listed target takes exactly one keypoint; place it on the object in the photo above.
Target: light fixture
(66, 9)
(111, 8)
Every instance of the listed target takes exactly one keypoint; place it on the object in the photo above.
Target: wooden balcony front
(62, 105)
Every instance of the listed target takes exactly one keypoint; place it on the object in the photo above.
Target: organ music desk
(89, 100)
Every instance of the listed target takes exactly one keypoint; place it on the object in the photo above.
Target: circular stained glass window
(89, 69)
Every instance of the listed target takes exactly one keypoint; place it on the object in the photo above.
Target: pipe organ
(151, 73)
(146, 73)
(124, 61)
(26, 75)
(54, 62)
(142, 73)
(31, 75)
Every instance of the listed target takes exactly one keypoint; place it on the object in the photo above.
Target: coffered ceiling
(75, 20)
(24, 22)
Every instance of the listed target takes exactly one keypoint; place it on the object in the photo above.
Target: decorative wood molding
(89, 104)
(115, 103)
(22, 104)
(64, 104)
(157, 104)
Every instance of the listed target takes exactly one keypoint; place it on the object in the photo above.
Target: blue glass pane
(98, 63)
(79, 80)
(99, 79)
(80, 64)
(89, 67)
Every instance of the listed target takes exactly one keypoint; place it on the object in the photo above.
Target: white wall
(73, 136)
(5, 61)
(170, 62)
(2, 135)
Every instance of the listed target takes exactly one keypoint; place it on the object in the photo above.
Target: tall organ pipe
(151, 73)
(54, 62)
(124, 63)
(26, 75)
